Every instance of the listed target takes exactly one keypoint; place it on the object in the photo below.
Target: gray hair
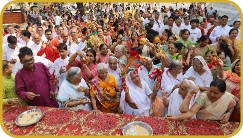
(101, 66)
(190, 85)
(112, 58)
(174, 64)
(148, 58)
(73, 72)
(168, 57)
(120, 48)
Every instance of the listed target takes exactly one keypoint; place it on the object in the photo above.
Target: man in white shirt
(157, 23)
(37, 44)
(195, 33)
(57, 19)
(186, 23)
(236, 25)
(25, 35)
(147, 20)
(10, 32)
(11, 51)
(61, 63)
(73, 41)
(174, 29)
(178, 23)
(223, 29)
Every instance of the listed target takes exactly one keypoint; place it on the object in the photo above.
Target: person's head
(62, 49)
(102, 70)
(48, 34)
(222, 56)
(203, 41)
(12, 41)
(180, 48)
(178, 21)
(223, 38)
(10, 29)
(25, 35)
(217, 89)
(103, 49)
(148, 63)
(74, 75)
(74, 33)
(59, 30)
(197, 14)
(233, 33)
(177, 13)
(208, 56)
(171, 39)
(202, 24)
(134, 35)
(236, 24)
(36, 38)
(7, 68)
(185, 34)
(119, 51)
(172, 49)
(64, 37)
(135, 78)
(175, 67)
(151, 21)
(185, 87)
(223, 47)
(236, 66)
(224, 20)
(168, 60)
(91, 54)
(170, 21)
(39, 31)
(194, 23)
(166, 33)
(216, 22)
(211, 20)
(26, 57)
(113, 63)
(186, 20)
(16, 28)
(197, 65)
(100, 32)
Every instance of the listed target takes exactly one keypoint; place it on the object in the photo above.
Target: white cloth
(58, 63)
(43, 38)
(138, 96)
(30, 43)
(146, 20)
(209, 26)
(68, 92)
(238, 36)
(144, 75)
(187, 26)
(175, 101)
(57, 20)
(175, 29)
(168, 82)
(35, 48)
(219, 31)
(73, 47)
(195, 34)
(5, 41)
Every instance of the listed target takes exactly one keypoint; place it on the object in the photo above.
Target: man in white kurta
(37, 44)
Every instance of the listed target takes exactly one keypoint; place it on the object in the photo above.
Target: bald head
(64, 37)
(36, 38)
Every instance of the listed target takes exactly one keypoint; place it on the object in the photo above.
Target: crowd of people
(137, 59)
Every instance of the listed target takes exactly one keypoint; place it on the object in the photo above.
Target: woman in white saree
(199, 73)
(74, 91)
(215, 104)
(114, 69)
(135, 99)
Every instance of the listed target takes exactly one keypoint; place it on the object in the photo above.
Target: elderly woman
(120, 54)
(175, 100)
(146, 72)
(199, 73)
(171, 78)
(74, 91)
(103, 91)
(214, 104)
(135, 99)
(114, 69)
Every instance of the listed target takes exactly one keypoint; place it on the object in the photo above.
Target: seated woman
(103, 91)
(231, 77)
(114, 69)
(202, 46)
(175, 100)
(199, 73)
(73, 93)
(121, 55)
(173, 51)
(135, 99)
(214, 104)
(223, 47)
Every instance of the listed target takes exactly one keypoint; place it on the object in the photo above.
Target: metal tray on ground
(129, 126)
(29, 117)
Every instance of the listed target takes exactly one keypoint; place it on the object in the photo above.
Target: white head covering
(204, 63)
(138, 96)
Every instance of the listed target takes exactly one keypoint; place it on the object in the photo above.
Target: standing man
(34, 83)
